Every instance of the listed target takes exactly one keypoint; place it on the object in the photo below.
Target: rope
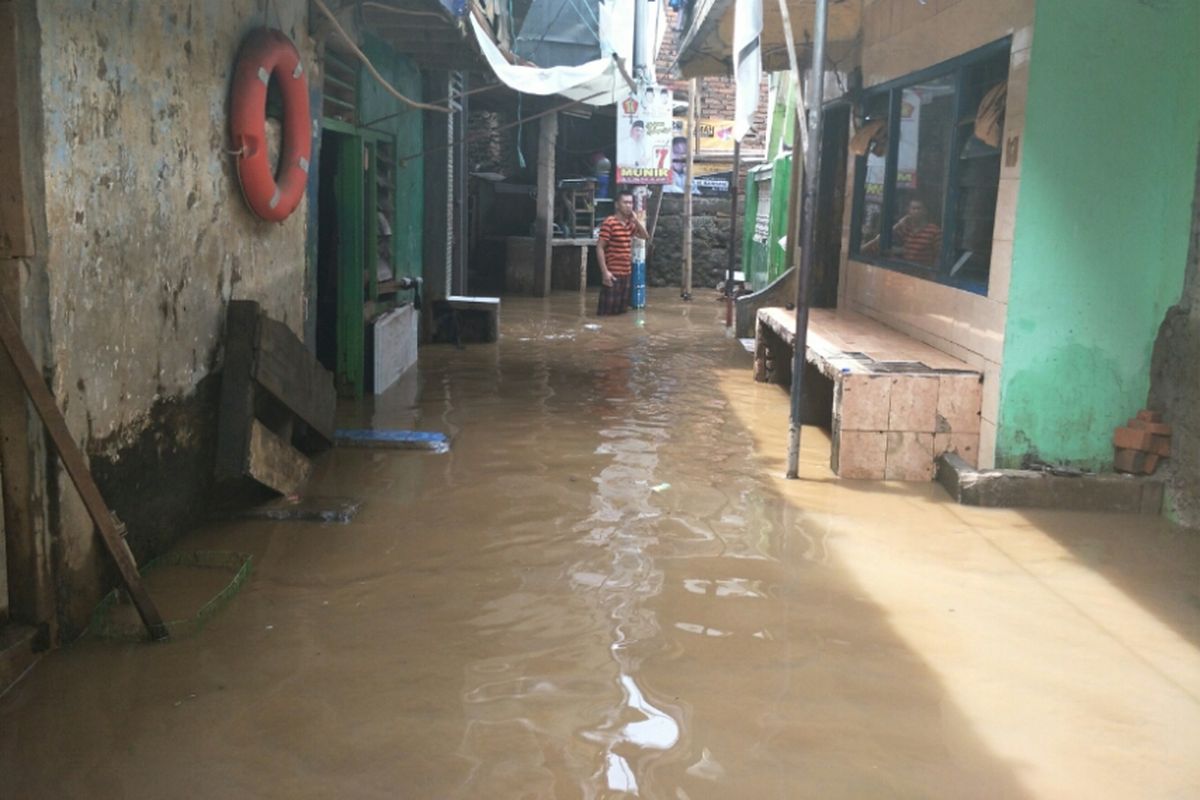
(371, 67)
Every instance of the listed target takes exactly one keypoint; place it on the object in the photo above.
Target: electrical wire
(485, 134)
(324, 9)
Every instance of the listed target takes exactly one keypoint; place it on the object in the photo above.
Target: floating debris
(396, 440)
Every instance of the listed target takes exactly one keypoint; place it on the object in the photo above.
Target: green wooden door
(351, 255)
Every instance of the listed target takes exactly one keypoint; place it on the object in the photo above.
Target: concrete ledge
(1017, 488)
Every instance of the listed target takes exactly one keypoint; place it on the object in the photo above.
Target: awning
(707, 47)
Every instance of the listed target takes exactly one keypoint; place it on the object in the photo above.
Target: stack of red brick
(1142, 443)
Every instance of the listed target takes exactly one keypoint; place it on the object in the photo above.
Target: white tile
(990, 408)
(909, 456)
(1000, 271)
(1022, 38)
(1006, 209)
(987, 445)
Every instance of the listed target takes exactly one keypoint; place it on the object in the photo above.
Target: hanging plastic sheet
(597, 82)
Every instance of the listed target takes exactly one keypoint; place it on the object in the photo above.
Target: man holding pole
(614, 250)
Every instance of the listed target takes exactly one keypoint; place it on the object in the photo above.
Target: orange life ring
(265, 54)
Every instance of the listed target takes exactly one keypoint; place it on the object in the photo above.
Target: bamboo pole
(733, 226)
(686, 288)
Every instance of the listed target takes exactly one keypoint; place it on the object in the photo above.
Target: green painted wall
(1103, 215)
(763, 263)
(375, 102)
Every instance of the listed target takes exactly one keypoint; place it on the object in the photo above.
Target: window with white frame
(928, 169)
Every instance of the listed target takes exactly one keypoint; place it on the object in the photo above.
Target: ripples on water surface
(604, 590)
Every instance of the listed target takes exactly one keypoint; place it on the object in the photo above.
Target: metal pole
(686, 289)
(639, 34)
(733, 212)
(460, 157)
(812, 173)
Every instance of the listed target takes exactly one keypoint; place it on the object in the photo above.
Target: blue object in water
(638, 299)
(397, 440)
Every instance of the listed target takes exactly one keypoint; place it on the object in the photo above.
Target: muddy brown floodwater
(606, 589)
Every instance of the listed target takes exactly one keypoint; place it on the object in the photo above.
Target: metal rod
(812, 177)
(733, 212)
(460, 190)
(685, 290)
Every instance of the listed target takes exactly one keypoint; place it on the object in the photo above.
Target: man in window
(915, 238)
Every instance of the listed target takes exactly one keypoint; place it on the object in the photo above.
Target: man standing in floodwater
(614, 249)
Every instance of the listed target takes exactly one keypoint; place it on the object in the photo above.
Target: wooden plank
(237, 389)
(3, 557)
(544, 226)
(16, 235)
(285, 368)
(275, 463)
(73, 461)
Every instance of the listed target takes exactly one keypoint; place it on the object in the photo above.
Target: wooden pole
(543, 253)
(686, 288)
(733, 225)
(652, 223)
(73, 461)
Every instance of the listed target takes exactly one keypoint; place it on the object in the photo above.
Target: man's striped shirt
(618, 245)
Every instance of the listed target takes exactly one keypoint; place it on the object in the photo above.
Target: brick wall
(717, 95)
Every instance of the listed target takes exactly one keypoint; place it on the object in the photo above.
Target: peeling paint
(148, 235)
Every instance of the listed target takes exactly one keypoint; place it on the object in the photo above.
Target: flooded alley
(606, 589)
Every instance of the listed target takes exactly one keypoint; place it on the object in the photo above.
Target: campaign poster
(644, 136)
(709, 178)
(714, 136)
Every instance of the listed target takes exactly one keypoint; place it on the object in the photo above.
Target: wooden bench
(897, 403)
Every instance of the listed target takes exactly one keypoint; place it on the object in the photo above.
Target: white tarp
(747, 63)
(599, 82)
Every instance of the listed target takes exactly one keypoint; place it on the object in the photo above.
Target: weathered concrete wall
(1175, 386)
(710, 242)
(148, 239)
(1103, 219)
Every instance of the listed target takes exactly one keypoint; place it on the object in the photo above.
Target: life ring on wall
(265, 54)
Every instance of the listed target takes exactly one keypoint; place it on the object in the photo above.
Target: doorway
(831, 206)
(340, 258)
